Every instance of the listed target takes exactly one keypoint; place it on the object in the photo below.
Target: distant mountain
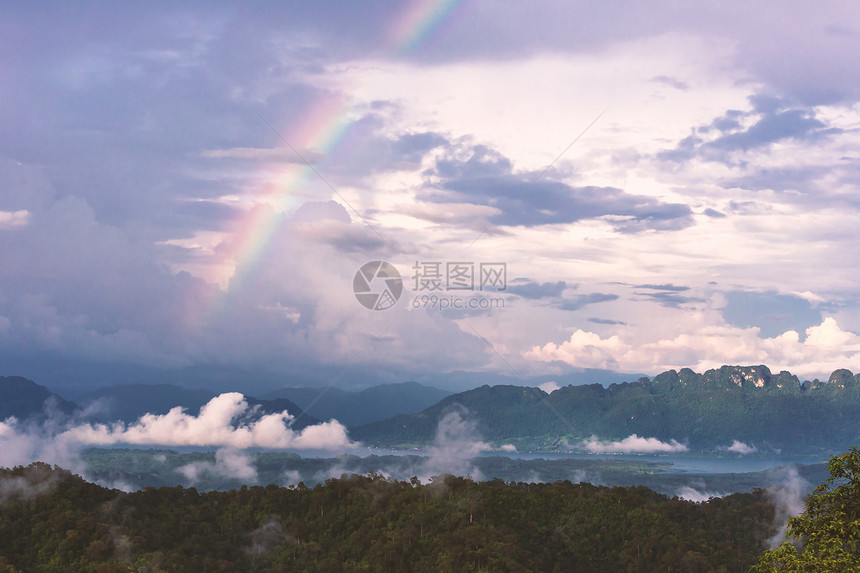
(128, 402)
(369, 405)
(26, 400)
(704, 411)
(301, 418)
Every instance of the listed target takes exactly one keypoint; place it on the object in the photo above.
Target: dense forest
(52, 520)
(776, 412)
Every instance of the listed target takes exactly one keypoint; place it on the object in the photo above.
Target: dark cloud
(579, 301)
(671, 82)
(773, 127)
(667, 294)
(483, 163)
(774, 120)
(728, 122)
(782, 179)
(413, 146)
(714, 214)
(607, 321)
(669, 299)
(664, 287)
(771, 312)
(365, 148)
(108, 112)
(748, 207)
(486, 178)
(533, 290)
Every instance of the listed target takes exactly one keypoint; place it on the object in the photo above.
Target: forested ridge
(52, 520)
(708, 411)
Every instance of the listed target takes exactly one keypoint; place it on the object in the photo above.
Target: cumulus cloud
(213, 426)
(739, 448)
(14, 219)
(229, 463)
(97, 272)
(585, 349)
(700, 346)
(226, 422)
(632, 444)
(21, 445)
(549, 387)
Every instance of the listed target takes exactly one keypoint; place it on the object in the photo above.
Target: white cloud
(213, 427)
(14, 219)
(216, 425)
(229, 462)
(457, 441)
(632, 444)
(700, 346)
(87, 280)
(691, 494)
(788, 495)
(549, 387)
(740, 448)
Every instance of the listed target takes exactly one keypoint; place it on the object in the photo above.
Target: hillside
(55, 521)
(128, 402)
(704, 411)
(26, 400)
(369, 405)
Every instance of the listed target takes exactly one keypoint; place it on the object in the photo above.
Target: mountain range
(759, 410)
(356, 408)
(729, 410)
(27, 400)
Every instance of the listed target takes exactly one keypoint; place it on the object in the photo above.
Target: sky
(189, 190)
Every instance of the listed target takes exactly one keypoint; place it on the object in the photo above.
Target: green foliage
(706, 410)
(828, 530)
(371, 523)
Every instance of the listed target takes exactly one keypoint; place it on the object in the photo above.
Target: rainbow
(323, 129)
(418, 23)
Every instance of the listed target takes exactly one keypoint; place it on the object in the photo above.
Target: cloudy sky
(191, 187)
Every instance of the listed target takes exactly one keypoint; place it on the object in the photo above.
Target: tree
(829, 528)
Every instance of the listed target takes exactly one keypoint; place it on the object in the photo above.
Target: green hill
(55, 521)
(364, 406)
(25, 400)
(774, 412)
